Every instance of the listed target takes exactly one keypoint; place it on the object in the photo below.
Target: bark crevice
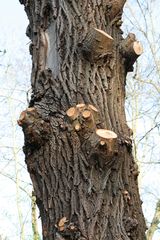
(75, 177)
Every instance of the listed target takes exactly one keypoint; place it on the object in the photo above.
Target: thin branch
(12, 179)
(149, 162)
(155, 221)
(157, 125)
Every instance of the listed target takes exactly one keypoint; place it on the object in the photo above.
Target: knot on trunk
(85, 119)
(130, 224)
(114, 8)
(67, 230)
(35, 129)
(97, 45)
(130, 49)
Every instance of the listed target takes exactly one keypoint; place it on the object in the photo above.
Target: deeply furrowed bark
(86, 187)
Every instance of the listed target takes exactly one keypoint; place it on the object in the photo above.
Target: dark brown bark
(86, 187)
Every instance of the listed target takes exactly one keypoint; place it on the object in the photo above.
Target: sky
(13, 23)
(13, 16)
(15, 67)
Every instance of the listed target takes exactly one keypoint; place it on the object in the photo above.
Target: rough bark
(86, 188)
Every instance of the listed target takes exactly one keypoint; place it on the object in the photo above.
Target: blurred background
(18, 215)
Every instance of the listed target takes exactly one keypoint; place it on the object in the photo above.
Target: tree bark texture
(86, 188)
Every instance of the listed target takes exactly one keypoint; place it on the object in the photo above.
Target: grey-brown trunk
(84, 190)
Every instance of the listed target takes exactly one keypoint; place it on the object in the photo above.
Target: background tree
(143, 105)
(11, 166)
(84, 176)
(140, 96)
(15, 187)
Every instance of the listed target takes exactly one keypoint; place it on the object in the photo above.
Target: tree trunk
(84, 176)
